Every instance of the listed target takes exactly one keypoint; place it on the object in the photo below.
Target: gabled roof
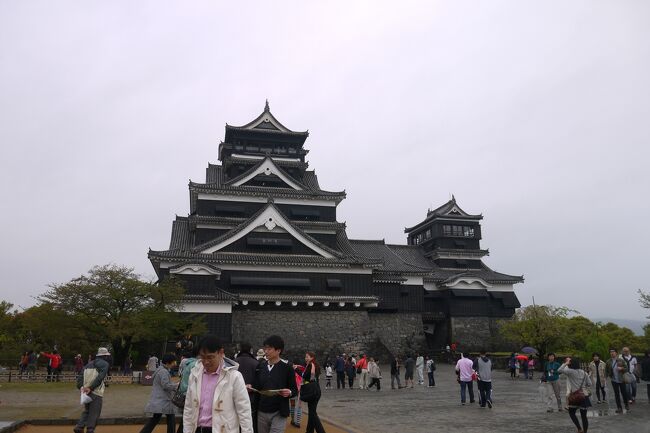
(449, 210)
(270, 217)
(266, 122)
(267, 167)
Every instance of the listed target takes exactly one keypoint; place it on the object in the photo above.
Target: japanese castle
(261, 251)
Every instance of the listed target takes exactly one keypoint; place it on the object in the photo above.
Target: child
(531, 367)
(328, 375)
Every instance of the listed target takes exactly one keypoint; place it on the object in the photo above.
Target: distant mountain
(634, 325)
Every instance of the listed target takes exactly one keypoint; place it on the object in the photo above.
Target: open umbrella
(529, 350)
(522, 358)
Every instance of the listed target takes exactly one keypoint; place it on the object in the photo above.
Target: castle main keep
(261, 252)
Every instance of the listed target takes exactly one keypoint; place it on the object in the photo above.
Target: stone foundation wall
(323, 332)
(328, 333)
(475, 333)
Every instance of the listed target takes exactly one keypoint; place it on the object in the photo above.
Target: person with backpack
(631, 363)
(362, 371)
(431, 367)
(375, 374)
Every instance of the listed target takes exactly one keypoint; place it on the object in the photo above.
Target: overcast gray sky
(535, 114)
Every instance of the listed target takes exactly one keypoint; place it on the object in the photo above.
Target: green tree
(644, 299)
(113, 305)
(544, 327)
(619, 337)
(6, 318)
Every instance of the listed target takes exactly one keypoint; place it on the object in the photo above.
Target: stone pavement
(517, 408)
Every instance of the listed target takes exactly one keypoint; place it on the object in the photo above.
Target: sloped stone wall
(476, 333)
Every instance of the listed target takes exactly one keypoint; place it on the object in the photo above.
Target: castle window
(458, 231)
(427, 234)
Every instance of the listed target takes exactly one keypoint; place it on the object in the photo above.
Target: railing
(42, 376)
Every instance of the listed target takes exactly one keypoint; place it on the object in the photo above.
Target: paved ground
(517, 408)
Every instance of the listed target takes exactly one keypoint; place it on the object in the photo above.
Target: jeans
(432, 380)
(393, 378)
(484, 392)
(155, 419)
(470, 387)
(313, 421)
(631, 390)
(351, 380)
(620, 389)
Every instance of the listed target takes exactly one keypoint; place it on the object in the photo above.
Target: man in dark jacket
(274, 374)
(645, 371)
(247, 367)
(339, 366)
(91, 383)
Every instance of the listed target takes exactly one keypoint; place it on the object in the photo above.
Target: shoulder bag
(577, 397)
(178, 399)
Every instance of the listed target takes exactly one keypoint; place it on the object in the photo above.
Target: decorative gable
(272, 220)
(266, 168)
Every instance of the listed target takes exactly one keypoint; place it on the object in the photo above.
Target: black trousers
(484, 392)
(375, 381)
(351, 380)
(313, 421)
(574, 418)
(620, 389)
(155, 419)
(340, 379)
(432, 380)
(600, 389)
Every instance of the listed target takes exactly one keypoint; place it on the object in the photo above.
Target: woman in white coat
(217, 398)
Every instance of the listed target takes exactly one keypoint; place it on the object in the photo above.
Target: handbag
(577, 397)
(178, 399)
(310, 391)
(629, 378)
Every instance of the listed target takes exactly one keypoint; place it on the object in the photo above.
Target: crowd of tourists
(259, 392)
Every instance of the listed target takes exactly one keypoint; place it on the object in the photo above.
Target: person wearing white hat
(91, 383)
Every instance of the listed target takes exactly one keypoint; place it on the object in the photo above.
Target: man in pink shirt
(464, 372)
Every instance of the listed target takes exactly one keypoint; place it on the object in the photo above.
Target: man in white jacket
(217, 399)
(419, 366)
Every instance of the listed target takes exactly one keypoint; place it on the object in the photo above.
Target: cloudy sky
(535, 114)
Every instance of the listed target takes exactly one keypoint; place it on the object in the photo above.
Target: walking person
(512, 366)
(295, 404)
(188, 361)
(91, 383)
(409, 366)
(375, 374)
(127, 367)
(483, 367)
(78, 364)
(551, 367)
(419, 367)
(152, 363)
(597, 377)
(339, 366)
(274, 373)
(431, 367)
(645, 371)
(162, 391)
(615, 370)
(464, 373)
(328, 375)
(23, 363)
(217, 399)
(351, 370)
(311, 375)
(395, 366)
(247, 366)
(362, 370)
(578, 381)
(531, 367)
(631, 363)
